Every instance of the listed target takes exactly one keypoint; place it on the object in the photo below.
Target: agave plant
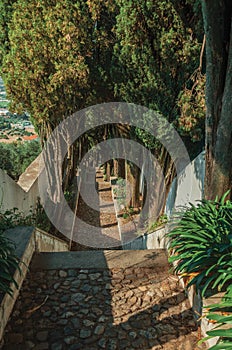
(201, 245)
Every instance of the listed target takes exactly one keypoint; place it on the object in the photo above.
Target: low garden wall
(28, 240)
(153, 240)
(22, 195)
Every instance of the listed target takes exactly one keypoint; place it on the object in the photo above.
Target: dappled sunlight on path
(135, 307)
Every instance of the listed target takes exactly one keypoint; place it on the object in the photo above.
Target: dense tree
(158, 63)
(66, 55)
(17, 156)
(218, 29)
(156, 52)
(56, 63)
(6, 10)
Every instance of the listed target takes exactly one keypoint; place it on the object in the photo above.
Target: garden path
(102, 300)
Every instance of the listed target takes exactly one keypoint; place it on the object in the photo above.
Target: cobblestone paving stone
(132, 308)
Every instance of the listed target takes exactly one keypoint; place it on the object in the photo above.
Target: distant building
(17, 126)
(30, 138)
(3, 111)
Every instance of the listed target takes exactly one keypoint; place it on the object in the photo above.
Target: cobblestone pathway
(121, 308)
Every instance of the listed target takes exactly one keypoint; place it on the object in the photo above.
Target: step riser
(100, 260)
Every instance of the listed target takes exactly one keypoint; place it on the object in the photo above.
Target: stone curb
(29, 240)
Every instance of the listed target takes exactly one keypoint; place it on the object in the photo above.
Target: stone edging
(39, 241)
(153, 240)
(156, 240)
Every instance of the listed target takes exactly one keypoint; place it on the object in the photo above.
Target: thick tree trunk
(217, 22)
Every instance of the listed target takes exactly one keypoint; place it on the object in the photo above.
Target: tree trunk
(217, 22)
(116, 167)
(133, 177)
(121, 168)
(109, 167)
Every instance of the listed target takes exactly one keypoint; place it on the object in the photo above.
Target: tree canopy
(54, 65)
(17, 156)
(58, 57)
(63, 56)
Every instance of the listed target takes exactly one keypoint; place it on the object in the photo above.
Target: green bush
(221, 313)
(8, 260)
(201, 245)
(17, 156)
(120, 191)
(163, 219)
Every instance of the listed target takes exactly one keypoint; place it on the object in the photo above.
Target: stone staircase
(101, 259)
(101, 300)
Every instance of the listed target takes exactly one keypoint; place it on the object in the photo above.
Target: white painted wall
(153, 240)
(189, 187)
(22, 195)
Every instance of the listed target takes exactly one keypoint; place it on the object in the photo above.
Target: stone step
(105, 259)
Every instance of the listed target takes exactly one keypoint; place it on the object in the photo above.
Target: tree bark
(217, 17)
(133, 177)
(121, 168)
(116, 167)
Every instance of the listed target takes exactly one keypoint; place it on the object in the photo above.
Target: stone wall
(46, 242)
(188, 188)
(28, 240)
(153, 240)
(22, 195)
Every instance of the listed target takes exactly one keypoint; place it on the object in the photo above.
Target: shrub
(8, 262)
(201, 245)
(221, 313)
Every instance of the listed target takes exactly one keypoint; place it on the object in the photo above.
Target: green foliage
(3, 136)
(63, 56)
(66, 55)
(6, 10)
(8, 262)
(39, 219)
(161, 221)
(17, 156)
(128, 212)
(4, 104)
(4, 124)
(13, 218)
(221, 313)
(191, 102)
(202, 245)
(120, 192)
(155, 53)
(58, 57)
(157, 49)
